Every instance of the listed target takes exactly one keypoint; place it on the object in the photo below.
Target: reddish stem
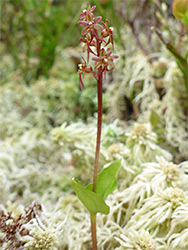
(97, 151)
(99, 127)
(93, 231)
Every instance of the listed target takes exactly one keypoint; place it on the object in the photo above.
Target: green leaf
(106, 180)
(154, 119)
(92, 201)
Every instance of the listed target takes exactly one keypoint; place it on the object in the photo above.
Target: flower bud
(104, 33)
(88, 69)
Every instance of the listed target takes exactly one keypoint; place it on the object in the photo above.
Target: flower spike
(97, 36)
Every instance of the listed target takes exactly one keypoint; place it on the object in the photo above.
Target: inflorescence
(95, 33)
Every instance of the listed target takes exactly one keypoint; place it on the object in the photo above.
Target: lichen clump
(141, 240)
(171, 171)
(175, 196)
(43, 241)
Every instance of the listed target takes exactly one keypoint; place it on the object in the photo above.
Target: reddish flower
(87, 15)
(83, 68)
(94, 37)
(107, 31)
(91, 26)
(104, 62)
(88, 42)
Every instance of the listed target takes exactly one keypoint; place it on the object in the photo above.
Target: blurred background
(40, 49)
(48, 125)
(34, 32)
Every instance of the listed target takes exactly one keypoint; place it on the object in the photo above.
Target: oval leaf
(106, 180)
(92, 201)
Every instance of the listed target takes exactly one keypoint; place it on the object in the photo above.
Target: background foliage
(48, 126)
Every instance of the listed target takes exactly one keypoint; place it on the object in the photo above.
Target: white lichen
(142, 142)
(138, 240)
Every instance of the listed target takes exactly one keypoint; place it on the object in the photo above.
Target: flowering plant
(95, 32)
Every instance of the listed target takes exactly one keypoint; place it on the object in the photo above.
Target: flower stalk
(99, 128)
(93, 231)
(97, 37)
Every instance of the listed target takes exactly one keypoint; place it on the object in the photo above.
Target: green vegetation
(48, 129)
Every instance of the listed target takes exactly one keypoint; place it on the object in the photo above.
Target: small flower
(88, 43)
(87, 15)
(83, 68)
(104, 62)
(91, 26)
(107, 31)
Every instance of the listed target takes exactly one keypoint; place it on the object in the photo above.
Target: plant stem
(99, 127)
(97, 152)
(93, 231)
